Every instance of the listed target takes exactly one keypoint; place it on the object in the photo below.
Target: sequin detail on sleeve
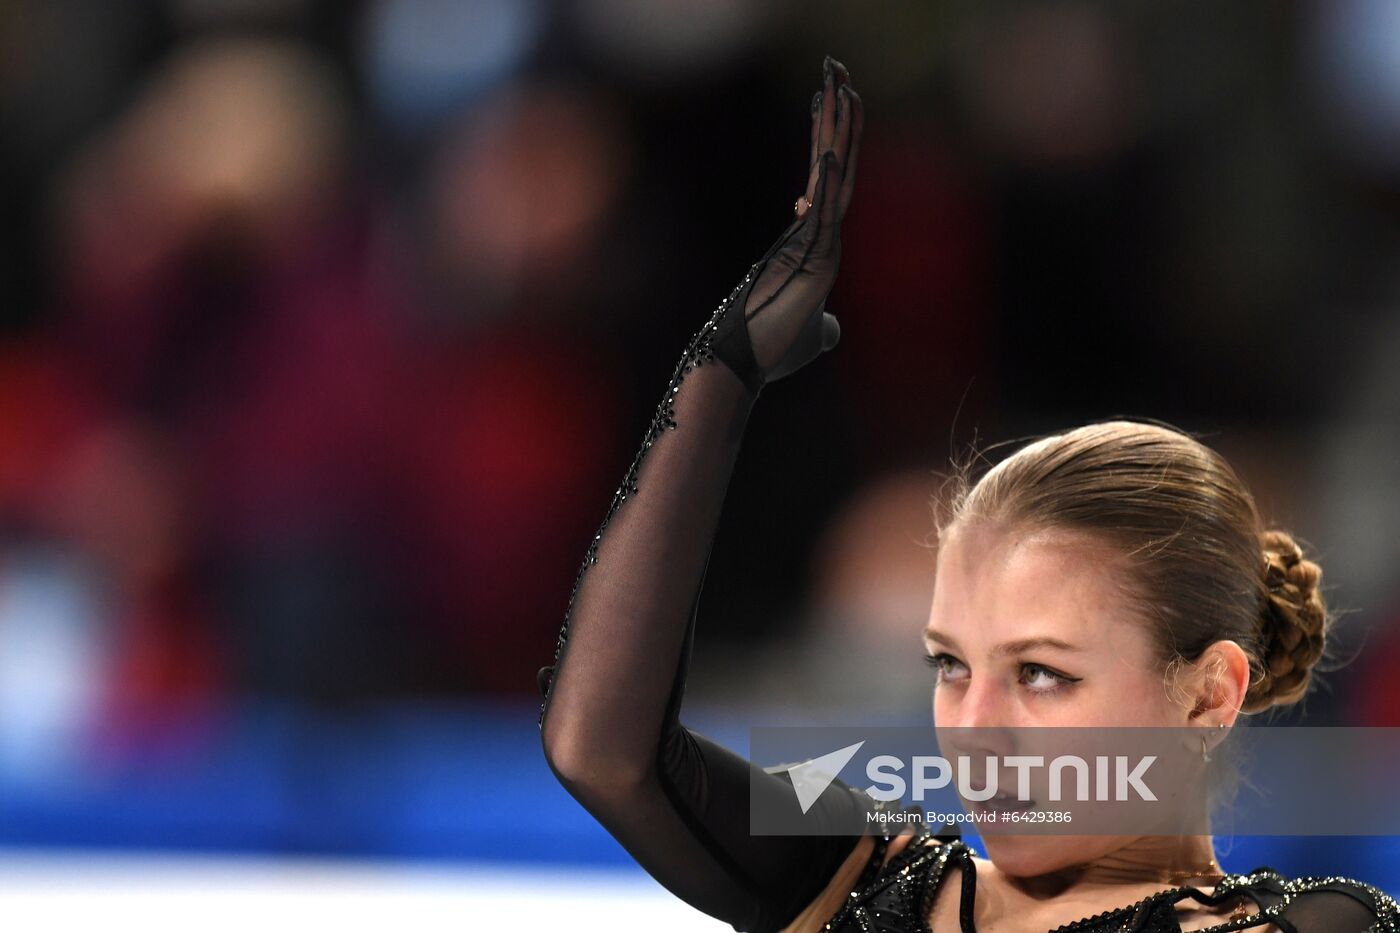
(698, 351)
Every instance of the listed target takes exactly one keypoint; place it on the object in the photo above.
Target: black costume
(897, 898)
(678, 802)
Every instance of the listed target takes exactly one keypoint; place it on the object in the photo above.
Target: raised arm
(610, 718)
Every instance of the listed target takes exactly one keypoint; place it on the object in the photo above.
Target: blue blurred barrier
(465, 782)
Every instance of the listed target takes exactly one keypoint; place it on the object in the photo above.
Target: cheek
(947, 707)
(1124, 696)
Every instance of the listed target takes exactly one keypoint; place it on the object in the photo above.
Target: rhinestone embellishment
(697, 352)
(901, 896)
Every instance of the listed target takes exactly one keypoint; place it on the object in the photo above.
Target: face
(1032, 629)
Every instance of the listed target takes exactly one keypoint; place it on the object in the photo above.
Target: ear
(1218, 681)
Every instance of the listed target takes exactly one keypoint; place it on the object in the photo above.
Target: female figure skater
(1223, 618)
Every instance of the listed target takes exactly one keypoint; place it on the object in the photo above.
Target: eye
(1043, 680)
(948, 667)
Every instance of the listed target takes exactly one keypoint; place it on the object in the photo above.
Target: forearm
(626, 624)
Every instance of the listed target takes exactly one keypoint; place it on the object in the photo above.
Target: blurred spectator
(328, 330)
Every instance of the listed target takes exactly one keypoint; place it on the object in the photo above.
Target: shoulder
(1381, 911)
(1331, 903)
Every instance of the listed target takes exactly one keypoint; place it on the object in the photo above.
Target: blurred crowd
(328, 329)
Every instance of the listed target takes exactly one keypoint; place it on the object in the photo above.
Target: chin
(1028, 856)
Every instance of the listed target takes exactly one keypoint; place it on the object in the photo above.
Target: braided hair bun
(1202, 563)
(1293, 624)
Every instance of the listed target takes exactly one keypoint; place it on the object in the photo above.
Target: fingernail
(827, 69)
(816, 102)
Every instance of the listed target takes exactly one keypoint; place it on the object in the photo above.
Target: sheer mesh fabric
(610, 722)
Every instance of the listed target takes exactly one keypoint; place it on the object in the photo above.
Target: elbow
(588, 770)
(562, 752)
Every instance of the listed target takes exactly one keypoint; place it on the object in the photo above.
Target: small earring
(1205, 755)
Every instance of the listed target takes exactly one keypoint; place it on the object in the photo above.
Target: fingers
(813, 235)
(823, 125)
(841, 129)
(805, 200)
(824, 222)
(850, 120)
(856, 109)
(830, 81)
(838, 118)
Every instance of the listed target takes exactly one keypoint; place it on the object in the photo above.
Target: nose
(977, 722)
(982, 704)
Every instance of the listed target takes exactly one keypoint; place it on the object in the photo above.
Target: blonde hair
(1203, 566)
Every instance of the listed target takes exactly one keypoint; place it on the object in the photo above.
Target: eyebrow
(1019, 646)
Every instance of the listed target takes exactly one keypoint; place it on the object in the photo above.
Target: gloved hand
(784, 324)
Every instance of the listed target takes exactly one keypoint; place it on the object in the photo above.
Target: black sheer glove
(610, 726)
(784, 324)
